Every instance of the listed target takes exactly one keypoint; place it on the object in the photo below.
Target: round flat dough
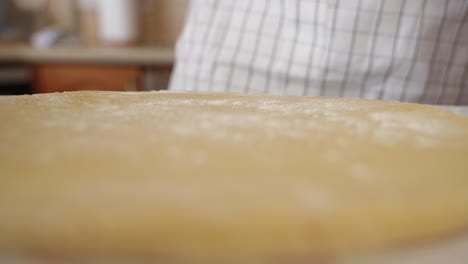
(222, 175)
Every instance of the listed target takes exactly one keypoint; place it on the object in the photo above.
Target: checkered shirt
(405, 50)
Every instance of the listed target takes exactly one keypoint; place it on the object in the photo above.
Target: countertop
(23, 53)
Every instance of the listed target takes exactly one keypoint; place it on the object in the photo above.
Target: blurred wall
(161, 20)
(164, 21)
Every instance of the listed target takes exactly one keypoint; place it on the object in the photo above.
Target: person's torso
(413, 50)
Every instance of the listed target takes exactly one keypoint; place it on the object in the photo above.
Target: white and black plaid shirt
(407, 50)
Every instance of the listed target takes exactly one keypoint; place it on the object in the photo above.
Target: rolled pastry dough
(221, 175)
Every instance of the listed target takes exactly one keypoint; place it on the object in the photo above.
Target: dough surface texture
(219, 175)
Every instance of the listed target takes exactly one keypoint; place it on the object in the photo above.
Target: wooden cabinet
(49, 78)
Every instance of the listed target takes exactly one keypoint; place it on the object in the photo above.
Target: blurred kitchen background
(70, 45)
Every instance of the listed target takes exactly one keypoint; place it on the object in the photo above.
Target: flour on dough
(222, 175)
